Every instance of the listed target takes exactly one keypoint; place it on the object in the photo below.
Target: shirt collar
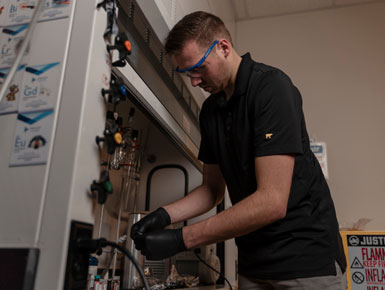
(241, 81)
(243, 75)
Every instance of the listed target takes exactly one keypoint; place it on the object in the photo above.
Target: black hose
(213, 269)
(128, 254)
(92, 245)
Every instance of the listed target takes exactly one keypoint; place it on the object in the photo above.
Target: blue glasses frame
(199, 63)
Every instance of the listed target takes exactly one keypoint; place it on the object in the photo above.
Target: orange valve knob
(127, 45)
(123, 45)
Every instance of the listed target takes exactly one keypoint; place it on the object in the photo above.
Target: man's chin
(210, 90)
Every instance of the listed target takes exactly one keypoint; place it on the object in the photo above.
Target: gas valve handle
(117, 91)
(123, 45)
(103, 187)
(99, 190)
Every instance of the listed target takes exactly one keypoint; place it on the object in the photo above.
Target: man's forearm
(246, 216)
(197, 202)
(265, 206)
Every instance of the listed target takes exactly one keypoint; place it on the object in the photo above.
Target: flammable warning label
(365, 253)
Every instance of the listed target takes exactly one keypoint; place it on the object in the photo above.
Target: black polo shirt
(264, 117)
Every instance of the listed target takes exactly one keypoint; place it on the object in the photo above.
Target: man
(254, 140)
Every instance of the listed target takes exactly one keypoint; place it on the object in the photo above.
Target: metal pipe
(118, 226)
(100, 221)
(102, 207)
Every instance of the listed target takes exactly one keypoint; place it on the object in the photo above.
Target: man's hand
(156, 220)
(159, 245)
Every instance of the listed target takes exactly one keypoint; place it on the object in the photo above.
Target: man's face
(206, 72)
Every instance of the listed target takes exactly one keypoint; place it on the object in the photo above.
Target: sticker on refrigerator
(319, 150)
(3, 9)
(19, 12)
(54, 9)
(40, 87)
(10, 37)
(10, 101)
(32, 138)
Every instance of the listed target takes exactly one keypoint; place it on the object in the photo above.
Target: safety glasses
(200, 62)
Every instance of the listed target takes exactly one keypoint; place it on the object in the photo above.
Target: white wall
(336, 58)
(221, 8)
(172, 11)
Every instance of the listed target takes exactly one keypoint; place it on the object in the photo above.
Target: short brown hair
(200, 26)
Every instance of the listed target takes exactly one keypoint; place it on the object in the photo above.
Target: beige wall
(337, 60)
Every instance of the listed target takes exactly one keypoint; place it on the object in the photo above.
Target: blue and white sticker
(54, 9)
(3, 10)
(20, 11)
(10, 102)
(10, 37)
(32, 139)
(40, 87)
(319, 150)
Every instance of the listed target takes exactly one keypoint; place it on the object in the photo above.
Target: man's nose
(195, 81)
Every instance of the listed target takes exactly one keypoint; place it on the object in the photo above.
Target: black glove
(159, 245)
(156, 220)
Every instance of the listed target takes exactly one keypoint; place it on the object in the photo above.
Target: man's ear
(225, 47)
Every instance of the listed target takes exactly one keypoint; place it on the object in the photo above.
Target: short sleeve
(277, 116)
(206, 154)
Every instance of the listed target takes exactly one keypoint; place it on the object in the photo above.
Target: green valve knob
(108, 186)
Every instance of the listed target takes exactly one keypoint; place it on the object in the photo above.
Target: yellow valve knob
(118, 138)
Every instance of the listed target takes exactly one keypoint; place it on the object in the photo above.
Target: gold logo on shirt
(268, 136)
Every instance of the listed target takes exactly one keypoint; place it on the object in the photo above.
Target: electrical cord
(92, 245)
(213, 269)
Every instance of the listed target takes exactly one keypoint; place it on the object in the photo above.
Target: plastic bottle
(115, 283)
(98, 284)
(92, 272)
